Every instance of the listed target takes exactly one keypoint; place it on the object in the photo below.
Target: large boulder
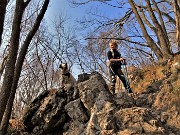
(90, 88)
(95, 103)
(47, 112)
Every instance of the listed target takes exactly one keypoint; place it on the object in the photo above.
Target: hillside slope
(88, 108)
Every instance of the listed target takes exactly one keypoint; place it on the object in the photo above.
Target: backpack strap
(112, 52)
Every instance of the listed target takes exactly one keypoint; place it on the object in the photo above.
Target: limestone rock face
(88, 108)
(138, 120)
(46, 113)
(89, 89)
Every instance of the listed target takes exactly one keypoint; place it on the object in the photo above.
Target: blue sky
(59, 6)
(63, 6)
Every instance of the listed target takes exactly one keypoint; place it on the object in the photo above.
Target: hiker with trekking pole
(116, 62)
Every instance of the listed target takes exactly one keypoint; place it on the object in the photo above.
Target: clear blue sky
(58, 7)
(63, 6)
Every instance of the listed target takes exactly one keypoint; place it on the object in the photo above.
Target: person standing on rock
(116, 60)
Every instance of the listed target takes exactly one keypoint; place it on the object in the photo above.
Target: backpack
(108, 62)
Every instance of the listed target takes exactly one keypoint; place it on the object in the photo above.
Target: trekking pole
(124, 68)
(125, 73)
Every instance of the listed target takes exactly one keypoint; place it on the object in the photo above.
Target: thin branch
(119, 39)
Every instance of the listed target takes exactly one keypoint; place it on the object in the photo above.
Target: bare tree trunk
(43, 69)
(177, 17)
(19, 65)
(3, 4)
(11, 60)
(149, 40)
(161, 33)
(2, 66)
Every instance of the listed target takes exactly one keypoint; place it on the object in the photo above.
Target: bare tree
(177, 18)
(41, 66)
(4, 60)
(12, 71)
(3, 4)
(156, 25)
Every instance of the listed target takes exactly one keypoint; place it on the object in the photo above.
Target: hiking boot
(129, 90)
(131, 95)
(112, 90)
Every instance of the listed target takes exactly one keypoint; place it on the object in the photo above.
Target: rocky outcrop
(88, 108)
(46, 113)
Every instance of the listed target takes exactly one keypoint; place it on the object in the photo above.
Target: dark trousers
(117, 71)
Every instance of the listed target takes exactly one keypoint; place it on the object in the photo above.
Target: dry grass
(142, 78)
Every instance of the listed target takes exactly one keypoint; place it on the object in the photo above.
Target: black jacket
(114, 54)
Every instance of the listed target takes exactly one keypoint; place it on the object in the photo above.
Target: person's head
(113, 44)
